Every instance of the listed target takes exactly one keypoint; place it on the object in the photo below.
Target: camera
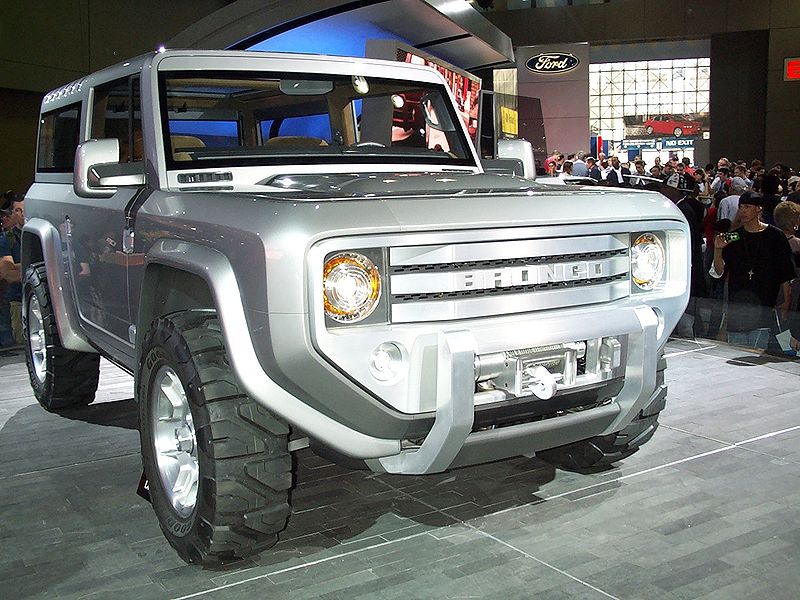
(732, 236)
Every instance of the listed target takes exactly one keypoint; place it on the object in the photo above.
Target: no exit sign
(791, 69)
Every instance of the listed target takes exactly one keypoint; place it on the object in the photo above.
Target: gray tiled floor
(708, 509)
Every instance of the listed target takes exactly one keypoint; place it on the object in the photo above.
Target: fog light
(386, 362)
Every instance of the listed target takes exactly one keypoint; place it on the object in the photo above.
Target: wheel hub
(36, 339)
(175, 441)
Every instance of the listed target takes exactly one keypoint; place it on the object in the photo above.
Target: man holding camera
(757, 259)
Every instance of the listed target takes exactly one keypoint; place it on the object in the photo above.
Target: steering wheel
(366, 145)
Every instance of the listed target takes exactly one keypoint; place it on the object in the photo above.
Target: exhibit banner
(558, 74)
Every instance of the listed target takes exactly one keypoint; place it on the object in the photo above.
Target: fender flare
(64, 309)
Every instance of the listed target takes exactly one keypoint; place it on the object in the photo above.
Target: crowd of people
(744, 221)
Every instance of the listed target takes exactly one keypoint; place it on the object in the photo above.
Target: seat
(138, 149)
(295, 141)
(182, 143)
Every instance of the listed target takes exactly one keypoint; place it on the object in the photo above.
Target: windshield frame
(250, 155)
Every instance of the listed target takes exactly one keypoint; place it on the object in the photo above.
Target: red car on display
(676, 125)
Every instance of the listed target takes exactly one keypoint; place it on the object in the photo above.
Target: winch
(543, 371)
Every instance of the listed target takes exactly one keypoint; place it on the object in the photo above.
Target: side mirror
(98, 171)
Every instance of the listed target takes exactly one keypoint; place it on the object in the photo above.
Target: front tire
(649, 130)
(60, 378)
(218, 463)
(600, 452)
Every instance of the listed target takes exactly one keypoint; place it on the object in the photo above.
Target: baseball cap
(738, 185)
(751, 198)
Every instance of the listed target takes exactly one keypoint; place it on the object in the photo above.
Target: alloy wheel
(175, 441)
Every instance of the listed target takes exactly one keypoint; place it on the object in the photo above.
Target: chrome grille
(553, 285)
(507, 262)
(457, 281)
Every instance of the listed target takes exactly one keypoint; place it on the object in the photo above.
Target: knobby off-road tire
(60, 378)
(601, 451)
(238, 450)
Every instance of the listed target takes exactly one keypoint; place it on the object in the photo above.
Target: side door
(95, 226)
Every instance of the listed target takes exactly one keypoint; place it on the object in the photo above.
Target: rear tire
(678, 132)
(232, 498)
(60, 378)
(600, 452)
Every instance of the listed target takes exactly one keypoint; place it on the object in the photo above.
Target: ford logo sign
(552, 62)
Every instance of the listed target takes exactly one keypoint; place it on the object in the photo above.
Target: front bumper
(451, 441)
(453, 426)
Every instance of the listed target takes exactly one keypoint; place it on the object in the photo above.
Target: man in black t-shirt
(758, 264)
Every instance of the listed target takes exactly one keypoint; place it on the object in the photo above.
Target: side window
(58, 139)
(116, 113)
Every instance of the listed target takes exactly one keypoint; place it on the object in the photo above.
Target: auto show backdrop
(558, 75)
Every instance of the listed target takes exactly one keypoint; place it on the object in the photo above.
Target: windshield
(241, 118)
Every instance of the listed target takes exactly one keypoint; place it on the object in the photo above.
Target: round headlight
(647, 261)
(351, 287)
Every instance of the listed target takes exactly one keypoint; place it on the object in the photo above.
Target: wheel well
(31, 251)
(167, 290)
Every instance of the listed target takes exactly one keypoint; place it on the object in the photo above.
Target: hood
(340, 186)
(310, 207)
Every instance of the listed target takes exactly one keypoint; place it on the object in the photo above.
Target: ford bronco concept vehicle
(290, 251)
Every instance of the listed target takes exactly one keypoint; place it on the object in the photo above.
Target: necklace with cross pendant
(750, 274)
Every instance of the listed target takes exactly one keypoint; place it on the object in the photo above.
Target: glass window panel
(646, 88)
(604, 83)
(630, 85)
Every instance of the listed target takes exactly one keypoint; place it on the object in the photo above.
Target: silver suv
(288, 250)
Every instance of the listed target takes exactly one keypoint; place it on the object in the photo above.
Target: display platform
(709, 508)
